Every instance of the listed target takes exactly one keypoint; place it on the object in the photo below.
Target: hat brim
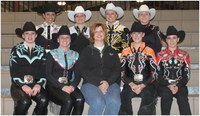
(118, 10)
(19, 32)
(152, 12)
(87, 13)
(181, 36)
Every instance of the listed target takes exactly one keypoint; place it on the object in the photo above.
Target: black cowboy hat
(64, 30)
(171, 30)
(28, 26)
(137, 27)
(49, 7)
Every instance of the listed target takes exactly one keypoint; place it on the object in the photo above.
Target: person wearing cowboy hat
(27, 70)
(153, 36)
(61, 81)
(99, 66)
(116, 37)
(49, 12)
(174, 73)
(139, 66)
(79, 16)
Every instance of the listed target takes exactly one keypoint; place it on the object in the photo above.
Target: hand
(27, 90)
(103, 86)
(173, 88)
(133, 86)
(141, 86)
(36, 89)
(68, 89)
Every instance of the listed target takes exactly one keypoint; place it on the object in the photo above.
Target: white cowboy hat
(111, 6)
(79, 9)
(144, 8)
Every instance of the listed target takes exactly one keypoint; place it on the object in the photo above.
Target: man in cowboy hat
(61, 81)
(153, 36)
(174, 73)
(138, 72)
(49, 12)
(27, 70)
(79, 16)
(116, 37)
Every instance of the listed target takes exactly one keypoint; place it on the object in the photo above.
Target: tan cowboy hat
(111, 6)
(144, 8)
(79, 9)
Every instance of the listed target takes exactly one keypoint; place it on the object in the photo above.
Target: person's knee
(43, 101)
(99, 102)
(80, 100)
(67, 101)
(25, 102)
(115, 101)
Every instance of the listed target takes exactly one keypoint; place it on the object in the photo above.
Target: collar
(62, 52)
(96, 49)
(170, 52)
(141, 47)
(116, 23)
(147, 25)
(46, 24)
(26, 45)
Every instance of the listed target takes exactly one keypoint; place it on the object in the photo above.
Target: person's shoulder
(183, 52)
(86, 50)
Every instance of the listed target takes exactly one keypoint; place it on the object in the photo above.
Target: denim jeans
(99, 103)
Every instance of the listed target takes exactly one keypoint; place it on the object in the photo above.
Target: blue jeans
(99, 103)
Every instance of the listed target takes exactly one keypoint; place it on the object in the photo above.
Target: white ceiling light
(61, 3)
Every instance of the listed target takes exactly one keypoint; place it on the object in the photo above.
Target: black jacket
(95, 69)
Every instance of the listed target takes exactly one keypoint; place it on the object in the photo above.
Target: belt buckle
(63, 80)
(138, 77)
(28, 79)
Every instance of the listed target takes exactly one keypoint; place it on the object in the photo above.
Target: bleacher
(187, 20)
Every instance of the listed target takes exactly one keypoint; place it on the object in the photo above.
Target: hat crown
(171, 30)
(50, 8)
(110, 6)
(137, 27)
(144, 7)
(29, 26)
(79, 9)
(64, 30)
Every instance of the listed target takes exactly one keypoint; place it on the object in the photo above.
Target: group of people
(52, 60)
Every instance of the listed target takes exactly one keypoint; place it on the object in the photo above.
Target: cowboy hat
(137, 27)
(28, 26)
(64, 30)
(171, 30)
(111, 6)
(79, 9)
(144, 8)
(49, 7)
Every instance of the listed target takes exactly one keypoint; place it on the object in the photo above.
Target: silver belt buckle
(28, 79)
(63, 80)
(172, 82)
(138, 77)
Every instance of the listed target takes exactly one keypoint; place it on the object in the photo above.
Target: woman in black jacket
(61, 81)
(99, 65)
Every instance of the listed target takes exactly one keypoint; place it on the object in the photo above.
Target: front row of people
(55, 76)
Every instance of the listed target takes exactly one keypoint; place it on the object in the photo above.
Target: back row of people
(92, 54)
